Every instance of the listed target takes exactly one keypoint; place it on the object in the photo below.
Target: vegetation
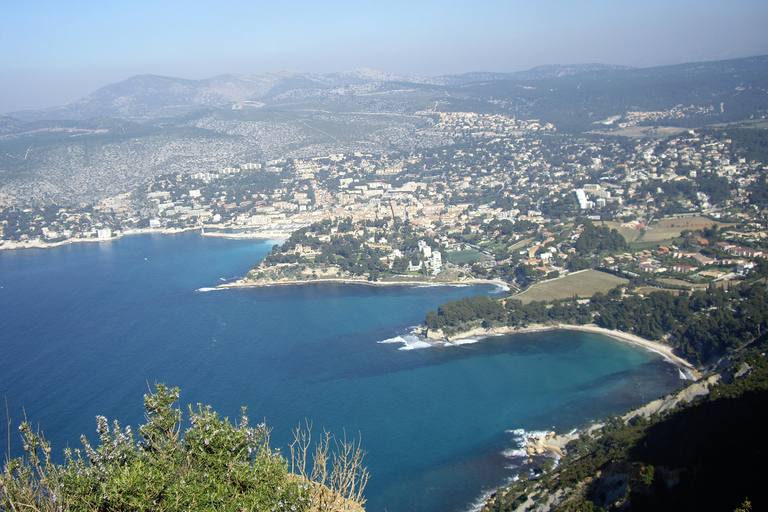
(701, 326)
(582, 284)
(673, 462)
(598, 239)
(213, 465)
(373, 250)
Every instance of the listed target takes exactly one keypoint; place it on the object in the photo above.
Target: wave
(501, 287)
(514, 453)
(409, 341)
(465, 341)
(520, 439)
(206, 289)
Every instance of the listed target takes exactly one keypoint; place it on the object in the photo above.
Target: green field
(629, 234)
(467, 257)
(582, 284)
(642, 246)
(521, 243)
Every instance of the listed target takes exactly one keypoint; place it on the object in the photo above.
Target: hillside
(124, 134)
(697, 455)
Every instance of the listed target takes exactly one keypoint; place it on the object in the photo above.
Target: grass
(746, 123)
(629, 234)
(645, 290)
(685, 284)
(642, 245)
(582, 284)
(521, 243)
(467, 256)
(642, 132)
(672, 227)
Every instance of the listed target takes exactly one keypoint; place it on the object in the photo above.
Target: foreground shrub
(214, 465)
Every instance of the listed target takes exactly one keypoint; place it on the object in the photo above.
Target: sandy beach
(654, 346)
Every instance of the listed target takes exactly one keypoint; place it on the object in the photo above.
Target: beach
(480, 332)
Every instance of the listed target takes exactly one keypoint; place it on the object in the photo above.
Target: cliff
(685, 451)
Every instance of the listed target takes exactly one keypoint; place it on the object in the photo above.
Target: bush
(214, 465)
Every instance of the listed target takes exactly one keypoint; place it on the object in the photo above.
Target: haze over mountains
(124, 133)
(149, 97)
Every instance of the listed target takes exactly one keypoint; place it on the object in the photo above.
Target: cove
(84, 328)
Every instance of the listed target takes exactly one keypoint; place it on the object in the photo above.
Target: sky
(53, 52)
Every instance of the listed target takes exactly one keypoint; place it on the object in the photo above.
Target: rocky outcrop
(549, 442)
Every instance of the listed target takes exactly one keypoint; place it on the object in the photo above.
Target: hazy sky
(52, 52)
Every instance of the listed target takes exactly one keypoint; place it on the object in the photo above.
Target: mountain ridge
(124, 133)
(147, 97)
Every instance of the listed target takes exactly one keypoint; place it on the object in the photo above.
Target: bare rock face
(550, 442)
(435, 334)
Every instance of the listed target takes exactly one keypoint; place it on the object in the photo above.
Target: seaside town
(655, 236)
(384, 257)
(511, 200)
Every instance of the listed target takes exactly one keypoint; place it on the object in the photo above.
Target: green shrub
(214, 465)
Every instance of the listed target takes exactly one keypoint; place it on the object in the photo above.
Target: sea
(87, 329)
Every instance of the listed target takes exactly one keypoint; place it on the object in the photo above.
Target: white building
(436, 262)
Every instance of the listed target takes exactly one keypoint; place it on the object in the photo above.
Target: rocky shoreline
(293, 274)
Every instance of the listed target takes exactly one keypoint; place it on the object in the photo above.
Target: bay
(85, 329)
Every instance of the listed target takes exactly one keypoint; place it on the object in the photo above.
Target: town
(511, 199)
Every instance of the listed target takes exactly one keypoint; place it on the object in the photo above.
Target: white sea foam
(206, 289)
(409, 341)
(524, 435)
(520, 439)
(479, 503)
(465, 341)
(396, 339)
(502, 287)
(512, 454)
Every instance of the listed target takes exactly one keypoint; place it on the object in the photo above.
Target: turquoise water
(85, 327)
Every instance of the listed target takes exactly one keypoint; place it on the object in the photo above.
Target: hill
(123, 134)
(668, 457)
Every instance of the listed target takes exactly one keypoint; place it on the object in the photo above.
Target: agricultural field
(672, 227)
(646, 290)
(642, 132)
(583, 284)
(684, 284)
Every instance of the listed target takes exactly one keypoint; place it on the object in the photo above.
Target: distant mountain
(541, 72)
(147, 97)
(124, 133)
(151, 97)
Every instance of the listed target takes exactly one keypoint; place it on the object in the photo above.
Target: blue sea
(86, 328)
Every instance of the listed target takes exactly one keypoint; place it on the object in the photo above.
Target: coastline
(346, 280)
(480, 333)
(274, 234)
(7, 245)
